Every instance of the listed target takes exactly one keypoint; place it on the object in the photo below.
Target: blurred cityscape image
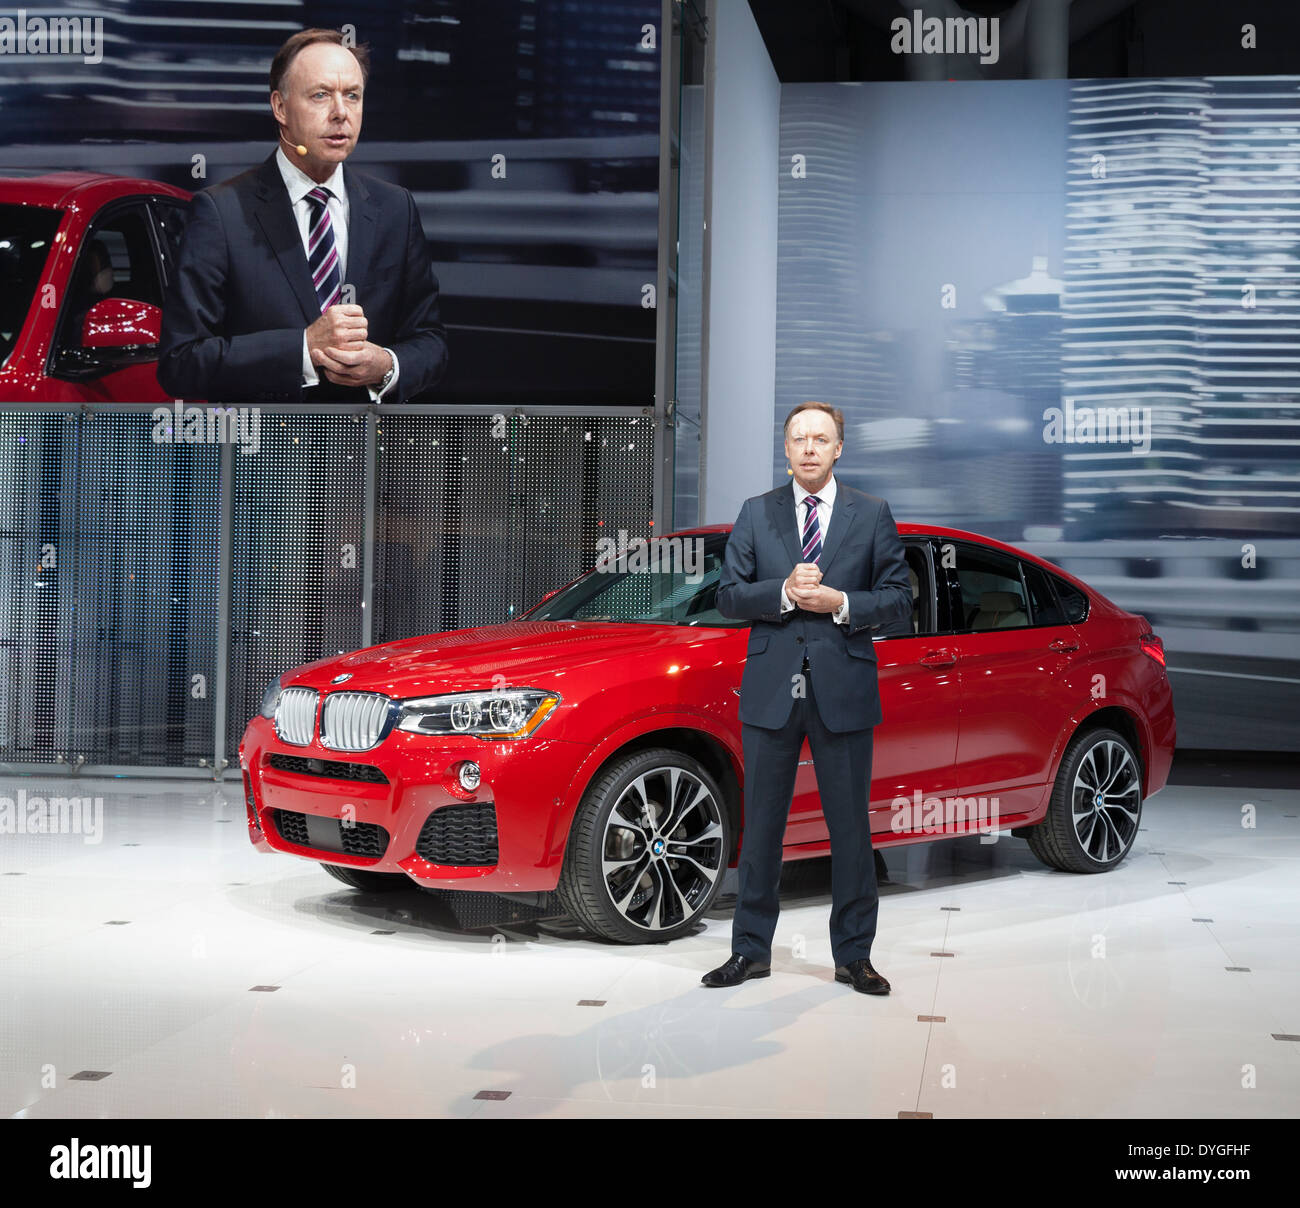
(1067, 314)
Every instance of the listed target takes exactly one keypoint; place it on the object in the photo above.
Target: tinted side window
(116, 261)
(125, 235)
(1073, 601)
(921, 620)
(992, 594)
(1042, 600)
(665, 591)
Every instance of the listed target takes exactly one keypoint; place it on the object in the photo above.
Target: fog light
(468, 774)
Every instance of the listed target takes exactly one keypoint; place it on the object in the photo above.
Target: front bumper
(400, 808)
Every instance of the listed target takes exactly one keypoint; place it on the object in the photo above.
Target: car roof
(907, 529)
(59, 190)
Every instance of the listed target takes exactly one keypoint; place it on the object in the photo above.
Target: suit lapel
(787, 523)
(361, 231)
(275, 214)
(843, 515)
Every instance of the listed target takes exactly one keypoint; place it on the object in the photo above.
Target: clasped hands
(804, 587)
(338, 348)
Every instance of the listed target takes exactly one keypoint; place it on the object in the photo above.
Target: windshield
(26, 235)
(678, 588)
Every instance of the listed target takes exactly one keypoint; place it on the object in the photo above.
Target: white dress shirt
(825, 505)
(299, 185)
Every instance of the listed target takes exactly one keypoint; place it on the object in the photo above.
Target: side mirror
(121, 323)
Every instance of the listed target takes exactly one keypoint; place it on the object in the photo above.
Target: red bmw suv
(590, 750)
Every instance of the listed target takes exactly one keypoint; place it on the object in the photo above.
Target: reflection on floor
(170, 970)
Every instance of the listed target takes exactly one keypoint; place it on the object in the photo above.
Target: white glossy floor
(139, 958)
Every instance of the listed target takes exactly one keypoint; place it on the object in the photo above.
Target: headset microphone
(296, 146)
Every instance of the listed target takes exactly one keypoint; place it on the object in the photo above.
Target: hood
(531, 654)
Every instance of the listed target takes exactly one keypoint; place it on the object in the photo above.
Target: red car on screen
(84, 260)
(592, 747)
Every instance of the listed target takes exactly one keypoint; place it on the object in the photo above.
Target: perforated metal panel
(109, 565)
(113, 581)
(37, 465)
(443, 523)
(478, 516)
(298, 538)
(144, 629)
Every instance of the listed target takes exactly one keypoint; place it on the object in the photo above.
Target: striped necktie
(322, 254)
(812, 532)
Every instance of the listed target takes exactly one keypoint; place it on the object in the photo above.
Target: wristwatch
(388, 377)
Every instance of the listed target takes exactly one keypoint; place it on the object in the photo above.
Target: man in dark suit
(810, 671)
(302, 280)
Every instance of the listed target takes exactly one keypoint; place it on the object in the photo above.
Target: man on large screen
(302, 280)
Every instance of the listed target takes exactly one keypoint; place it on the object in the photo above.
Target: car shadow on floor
(472, 917)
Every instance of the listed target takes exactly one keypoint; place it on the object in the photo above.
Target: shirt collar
(826, 494)
(300, 184)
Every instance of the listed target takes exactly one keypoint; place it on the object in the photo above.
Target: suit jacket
(862, 556)
(236, 307)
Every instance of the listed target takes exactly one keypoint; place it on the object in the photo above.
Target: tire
(630, 882)
(1098, 836)
(372, 882)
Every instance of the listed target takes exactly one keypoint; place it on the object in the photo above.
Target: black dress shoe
(736, 970)
(862, 977)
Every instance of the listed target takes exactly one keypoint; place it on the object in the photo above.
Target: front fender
(677, 719)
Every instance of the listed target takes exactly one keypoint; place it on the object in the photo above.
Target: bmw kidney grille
(353, 721)
(295, 716)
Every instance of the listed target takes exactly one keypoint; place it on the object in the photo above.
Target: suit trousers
(843, 766)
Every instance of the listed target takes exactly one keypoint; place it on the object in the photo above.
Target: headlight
(512, 713)
(271, 698)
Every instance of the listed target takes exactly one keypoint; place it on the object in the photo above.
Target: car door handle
(938, 658)
(1064, 644)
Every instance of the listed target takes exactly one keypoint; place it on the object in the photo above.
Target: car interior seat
(999, 610)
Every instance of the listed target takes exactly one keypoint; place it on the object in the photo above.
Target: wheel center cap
(657, 847)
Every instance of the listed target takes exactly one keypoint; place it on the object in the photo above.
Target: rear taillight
(1153, 647)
